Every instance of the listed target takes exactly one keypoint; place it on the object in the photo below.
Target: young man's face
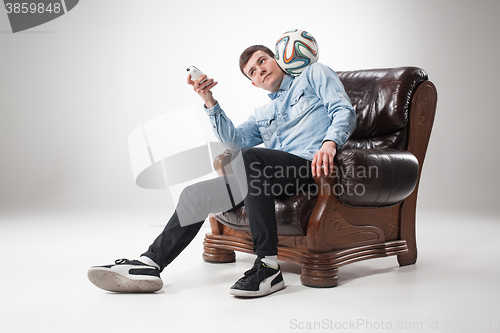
(264, 72)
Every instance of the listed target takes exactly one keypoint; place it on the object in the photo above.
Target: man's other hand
(324, 158)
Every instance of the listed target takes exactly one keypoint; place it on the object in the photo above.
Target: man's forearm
(210, 102)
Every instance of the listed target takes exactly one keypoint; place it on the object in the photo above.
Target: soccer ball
(295, 50)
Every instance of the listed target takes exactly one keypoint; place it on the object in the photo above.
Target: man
(308, 118)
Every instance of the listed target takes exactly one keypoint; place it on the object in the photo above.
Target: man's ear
(255, 85)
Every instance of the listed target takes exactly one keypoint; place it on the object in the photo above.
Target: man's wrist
(330, 143)
(213, 110)
(210, 103)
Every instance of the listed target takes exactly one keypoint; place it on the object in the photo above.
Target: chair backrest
(381, 98)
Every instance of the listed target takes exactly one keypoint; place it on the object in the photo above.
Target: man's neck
(279, 85)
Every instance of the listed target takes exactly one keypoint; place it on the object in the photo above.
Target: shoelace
(253, 272)
(121, 261)
(132, 262)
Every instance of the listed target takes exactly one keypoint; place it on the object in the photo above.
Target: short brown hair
(249, 51)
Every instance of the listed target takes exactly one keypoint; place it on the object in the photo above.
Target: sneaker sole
(246, 293)
(112, 281)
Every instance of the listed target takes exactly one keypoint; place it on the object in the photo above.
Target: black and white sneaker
(260, 280)
(126, 276)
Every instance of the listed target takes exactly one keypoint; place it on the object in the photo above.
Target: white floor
(44, 287)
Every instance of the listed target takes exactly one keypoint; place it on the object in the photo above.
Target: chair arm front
(223, 162)
(375, 177)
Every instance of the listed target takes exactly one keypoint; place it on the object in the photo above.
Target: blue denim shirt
(306, 111)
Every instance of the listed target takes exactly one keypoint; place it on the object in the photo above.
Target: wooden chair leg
(218, 256)
(407, 230)
(215, 255)
(319, 278)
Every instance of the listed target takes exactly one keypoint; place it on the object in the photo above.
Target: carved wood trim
(422, 113)
(319, 216)
(343, 234)
(328, 230)
(299, 242)
(318, 261)
(216, 226)
(320, 267)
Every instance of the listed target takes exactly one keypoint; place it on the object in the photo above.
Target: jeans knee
(190, 194)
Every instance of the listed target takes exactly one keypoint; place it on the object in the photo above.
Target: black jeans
(263, 175)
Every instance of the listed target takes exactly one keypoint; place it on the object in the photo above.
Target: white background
(73, 89)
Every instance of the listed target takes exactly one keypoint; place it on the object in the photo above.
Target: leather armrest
(375, 177)
(361, 177)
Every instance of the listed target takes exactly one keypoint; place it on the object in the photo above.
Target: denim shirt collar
(284, 86)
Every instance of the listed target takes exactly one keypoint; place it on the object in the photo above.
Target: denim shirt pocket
(267, 127)
(299, 104)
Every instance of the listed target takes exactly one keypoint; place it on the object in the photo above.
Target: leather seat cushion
(292, 215)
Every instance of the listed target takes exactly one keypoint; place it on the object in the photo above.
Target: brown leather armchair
(366, 208)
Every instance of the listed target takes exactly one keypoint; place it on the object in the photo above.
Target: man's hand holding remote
(202, 86)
